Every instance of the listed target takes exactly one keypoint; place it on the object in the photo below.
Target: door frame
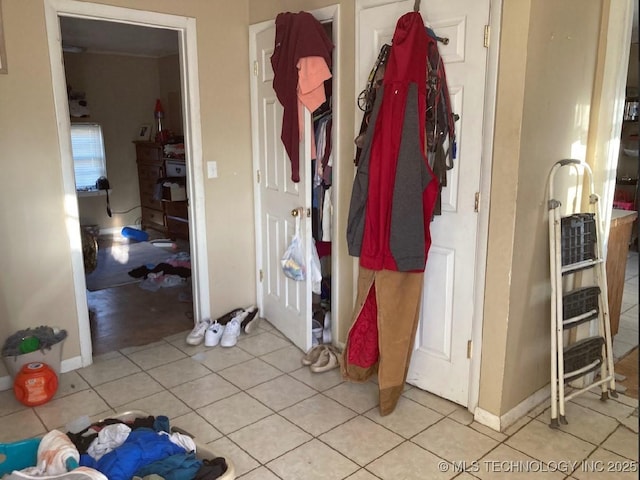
(187, 40)
(491, 76)
(329, 13)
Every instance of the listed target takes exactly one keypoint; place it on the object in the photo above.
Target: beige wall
(170, 93)
(548, 74)
(36, 287)
(260, 11)
(37, 284)
(504, 191)
(121, 92)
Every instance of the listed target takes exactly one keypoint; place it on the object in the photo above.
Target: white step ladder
(581, 341)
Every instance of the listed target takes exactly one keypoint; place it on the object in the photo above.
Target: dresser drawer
(177, 227)
(149, 173)
(176, 209)
(149, 153)
(149, 202)
(152, 218)
(147, 196)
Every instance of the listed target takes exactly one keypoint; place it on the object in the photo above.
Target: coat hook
(416, 6)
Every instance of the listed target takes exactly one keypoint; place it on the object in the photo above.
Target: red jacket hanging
(298, 35)
(394, 191)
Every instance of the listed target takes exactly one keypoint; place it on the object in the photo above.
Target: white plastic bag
(293, 264)
(293, 260)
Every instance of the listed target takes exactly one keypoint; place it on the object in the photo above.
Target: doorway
(98, 72)
(183, 31)
(284, 207)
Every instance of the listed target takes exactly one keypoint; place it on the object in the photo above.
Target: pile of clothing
(174, 150)
(172, 272)
(114, 449)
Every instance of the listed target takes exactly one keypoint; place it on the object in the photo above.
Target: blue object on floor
(135, 234)
(18, 455)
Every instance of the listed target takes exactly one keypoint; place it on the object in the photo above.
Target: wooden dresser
(617, 251)
(160, 211)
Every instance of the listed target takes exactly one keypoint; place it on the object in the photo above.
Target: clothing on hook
(432, 34)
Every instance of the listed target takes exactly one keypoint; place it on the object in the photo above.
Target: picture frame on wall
(144, 132)
(3, 52)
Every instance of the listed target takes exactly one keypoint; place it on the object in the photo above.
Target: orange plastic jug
(35, 384)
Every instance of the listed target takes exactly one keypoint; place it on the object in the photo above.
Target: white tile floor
(256, 405)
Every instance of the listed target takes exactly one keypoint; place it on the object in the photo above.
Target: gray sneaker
(196, 335)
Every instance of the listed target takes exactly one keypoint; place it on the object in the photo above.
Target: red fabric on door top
(298, 35)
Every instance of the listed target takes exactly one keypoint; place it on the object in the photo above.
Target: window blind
(89, 160)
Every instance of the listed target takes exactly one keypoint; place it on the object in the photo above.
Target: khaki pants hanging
(395, 312)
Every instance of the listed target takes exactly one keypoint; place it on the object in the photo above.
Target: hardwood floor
(628, 367)
(129, 315)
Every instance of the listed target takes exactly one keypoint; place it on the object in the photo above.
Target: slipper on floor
(251, 320)
(312, 355)
(227, 317)
(328, 360)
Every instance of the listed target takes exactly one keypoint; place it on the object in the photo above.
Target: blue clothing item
(182, 466)
(142, 447)
(161, 424)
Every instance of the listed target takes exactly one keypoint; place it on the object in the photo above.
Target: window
(88, 154)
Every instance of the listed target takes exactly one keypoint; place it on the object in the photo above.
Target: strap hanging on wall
(416, 6)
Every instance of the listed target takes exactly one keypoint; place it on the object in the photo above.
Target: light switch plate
(212, 169)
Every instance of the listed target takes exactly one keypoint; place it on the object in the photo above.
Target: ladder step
(574, 267)
(578, 233)
(580, 319)
(582, 357)
(592, 367)
(579, 306)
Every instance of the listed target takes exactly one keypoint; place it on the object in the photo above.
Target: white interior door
(440, 362)
(284, 302)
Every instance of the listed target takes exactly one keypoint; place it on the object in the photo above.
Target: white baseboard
(487, 419)
(503, 422)
(71, 364)
(6, 382)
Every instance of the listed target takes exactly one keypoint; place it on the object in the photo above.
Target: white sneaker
(231, 333)
(213, 334)
(196, 335)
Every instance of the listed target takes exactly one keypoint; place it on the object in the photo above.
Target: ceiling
(83, 35)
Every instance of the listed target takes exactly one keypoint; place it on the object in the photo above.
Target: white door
(440, 362)
(284, 302)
